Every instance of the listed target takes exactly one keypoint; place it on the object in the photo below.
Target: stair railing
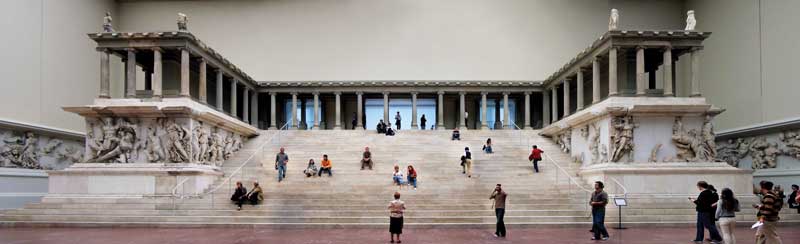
(229, 179)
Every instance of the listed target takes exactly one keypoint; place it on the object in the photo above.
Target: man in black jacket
(791, 201)
(705, 212)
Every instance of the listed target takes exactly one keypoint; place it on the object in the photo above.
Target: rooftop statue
(691, 22)
(107, 20)
(613, 20)
(182, 21)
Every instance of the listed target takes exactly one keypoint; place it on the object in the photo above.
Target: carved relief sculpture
(613, 19)
(654, 153)
(201, 139)
(693, 145)
(118, 141)
(622, 138)
(25, 151)
(178, 145)
(154, 150)
(691, 22)
(594, 143)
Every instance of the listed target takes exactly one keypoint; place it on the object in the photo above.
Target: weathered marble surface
(27, 149)
(768, 151)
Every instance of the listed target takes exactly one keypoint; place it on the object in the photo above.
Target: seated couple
(397, 177)
(312, 170)
(240, 195)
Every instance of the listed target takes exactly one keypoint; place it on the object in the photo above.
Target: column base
(359, 127)
(440, 127)
(414, 127)
(528, 128)
(484, 127)
(337, 128)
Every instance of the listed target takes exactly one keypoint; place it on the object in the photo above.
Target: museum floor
(790, 234)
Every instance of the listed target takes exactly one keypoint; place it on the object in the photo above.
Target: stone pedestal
(138, 179)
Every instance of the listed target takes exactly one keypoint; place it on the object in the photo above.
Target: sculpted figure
(691, 22)
(708, 138)
(594, 143)
(21, 152)
(110, 139)
(623, 138)
(727, 153)
(760, 154)
(51, 146)
(178, 143)
(182, 21)
(654, 153)
(154, 150)
(613, 19)
(228, 149)
(201, 137)
(94, 144)
(124, 138)
(70, 154)
(107, 26)
(215, 147)
(791, 141)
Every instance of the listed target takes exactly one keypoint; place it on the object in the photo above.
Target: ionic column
(272, 119)
(360, 107)
(440, 115)
(595, 80)
(641, 84)
(219, 90)
(695, 72)
(566, 98)
(185, 83)
(484, 124)
(316, 111)
(527, 110)
(555, 104)
(506, 121)
(158, 74)
(462, 109)
(545, 107)
(254, 109)
(130, 73)
(202, 93)
(245, 105)
(612, 72)
(414, 111)
(295, 125)
(668, 71)
(338, 110)
(105, 74)
(233, 98)
(579, 84)
(386, 107)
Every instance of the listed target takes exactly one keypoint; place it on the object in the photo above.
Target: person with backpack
(535, 157)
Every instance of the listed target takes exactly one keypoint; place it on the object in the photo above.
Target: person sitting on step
(412, 176)
(381, 127)
(326, 166)
(366, 160)
(389, 130)
(239, 195)
(488, 147)
(397, 176)
(311, 170)
(256, 195)
(456, 135)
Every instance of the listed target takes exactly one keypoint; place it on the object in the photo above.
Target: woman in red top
(412, 176)
(535, 157)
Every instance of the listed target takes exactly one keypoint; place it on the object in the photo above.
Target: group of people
(712, 207)
(312, 169)
(410, 177)
(241, 195)
(386, 128)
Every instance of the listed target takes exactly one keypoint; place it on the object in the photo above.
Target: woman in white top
(397, 177)
(396, 210)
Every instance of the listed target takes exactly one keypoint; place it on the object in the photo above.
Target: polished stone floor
(790, 234)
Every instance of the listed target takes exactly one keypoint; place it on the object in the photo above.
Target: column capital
(273, 93)
(640, 47)
(440, 92)
(338, 93)
(484, 93)
(315, 93)
(385, 93)
(527, 93)
(581, 70)
(666, 48)
(294, 93)
(505, 93)
(199, 59)
(414, 93)
(359, 93)
(103, 50)
(130, 49)
(462, 93)
(695, 49)
(157, 49)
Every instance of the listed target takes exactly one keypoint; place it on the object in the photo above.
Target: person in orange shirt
(326, 166)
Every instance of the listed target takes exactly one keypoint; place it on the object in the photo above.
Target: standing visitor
(354, 121)
(397, 120)
(599, 201)
(239, 195)
(499, 197)
(704, 213)
(488, 147)
(326, 166)
(466, 118)
(366, 159)
(792, 201)
(396, 210)
(280, 164)
(727, 207)
(311, 169)
(412, 177)
(768, 215)
(535, 157)
(422, 121)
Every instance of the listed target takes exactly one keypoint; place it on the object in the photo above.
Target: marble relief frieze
(765, 151)
(30, 150)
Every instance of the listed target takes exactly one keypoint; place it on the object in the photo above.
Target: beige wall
(48, 62)
(749, 62)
